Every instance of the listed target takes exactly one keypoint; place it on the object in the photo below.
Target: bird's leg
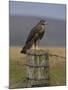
(35, 45)
(38, 44)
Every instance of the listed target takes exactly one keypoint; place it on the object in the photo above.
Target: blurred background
(23, 16)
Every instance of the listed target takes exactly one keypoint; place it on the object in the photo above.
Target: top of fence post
(37, 52)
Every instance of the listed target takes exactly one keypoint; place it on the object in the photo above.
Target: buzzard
(35, 34)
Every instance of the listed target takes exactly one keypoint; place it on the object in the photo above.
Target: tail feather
(23, 50)
(27, 46)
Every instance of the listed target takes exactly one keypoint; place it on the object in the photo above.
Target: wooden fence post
(37, 65)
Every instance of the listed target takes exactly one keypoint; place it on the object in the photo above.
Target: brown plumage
(36, 34)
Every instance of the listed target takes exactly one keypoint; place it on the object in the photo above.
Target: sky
(37, 9)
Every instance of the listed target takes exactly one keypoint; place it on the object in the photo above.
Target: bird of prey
(35, 34)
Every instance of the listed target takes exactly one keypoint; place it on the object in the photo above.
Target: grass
(17, 71)
(57, 75)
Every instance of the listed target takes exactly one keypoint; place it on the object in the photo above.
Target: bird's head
(43, 22)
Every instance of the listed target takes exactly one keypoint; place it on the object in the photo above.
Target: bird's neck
(43, 27)
(40, 26)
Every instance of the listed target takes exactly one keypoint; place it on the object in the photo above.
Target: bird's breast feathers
(43, 27)
(40, 28)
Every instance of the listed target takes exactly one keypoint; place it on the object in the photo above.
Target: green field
(17, 71)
